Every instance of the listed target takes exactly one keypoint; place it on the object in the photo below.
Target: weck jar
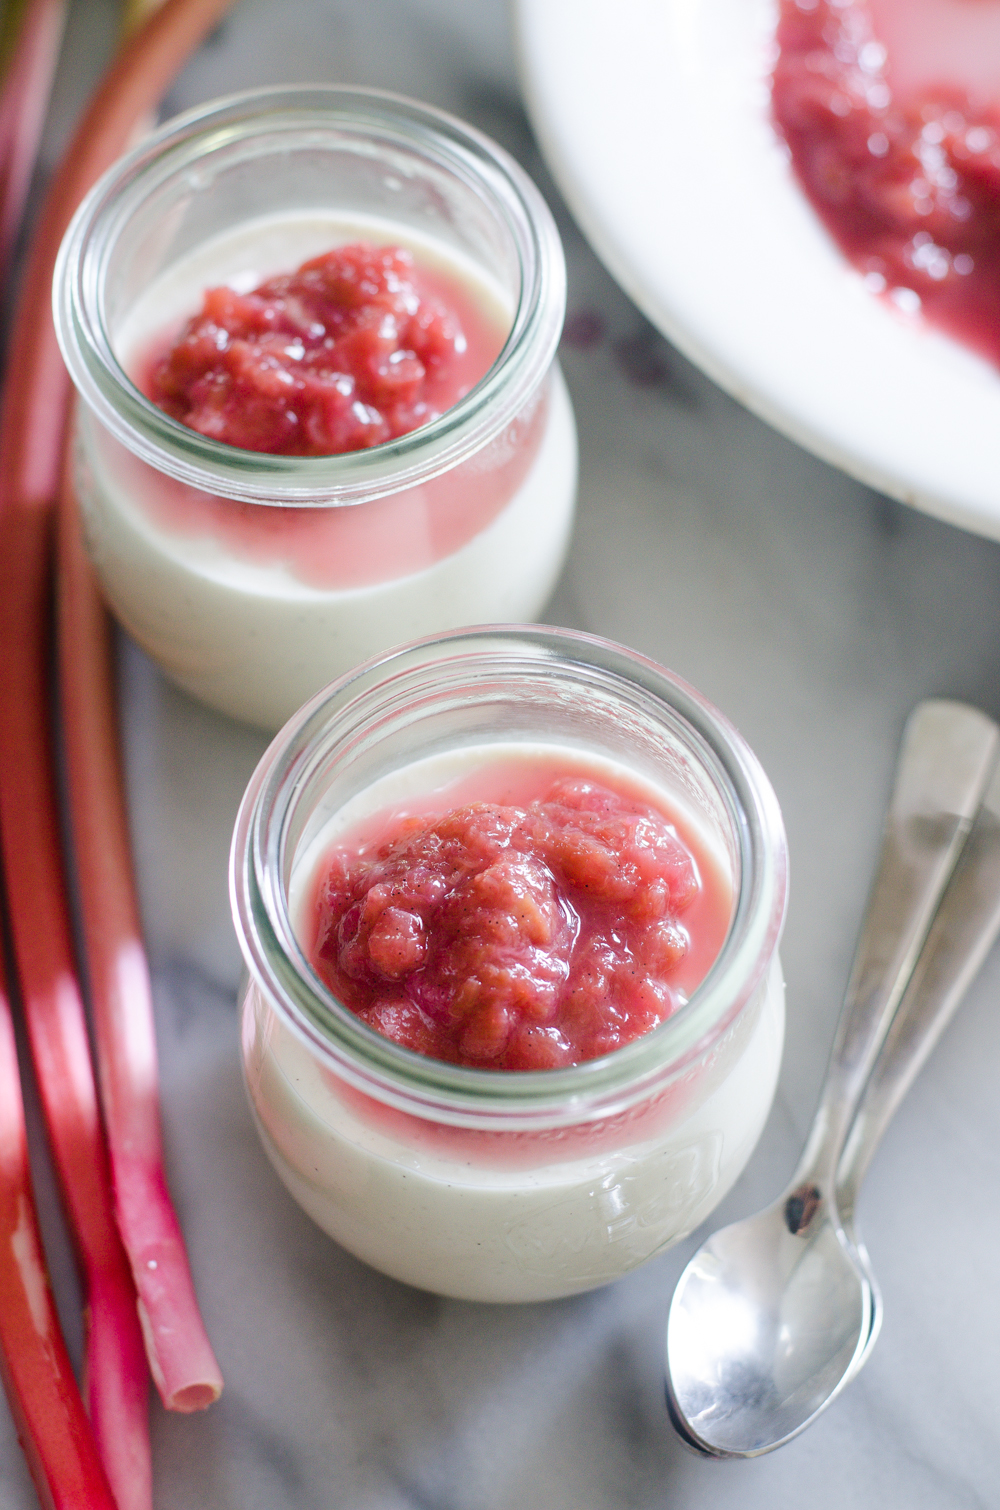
(481, 1183)
(255, 578)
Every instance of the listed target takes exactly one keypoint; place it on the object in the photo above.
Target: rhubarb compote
(519, 936)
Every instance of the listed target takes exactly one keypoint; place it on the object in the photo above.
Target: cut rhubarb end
(197, 1397)
(186, 1398)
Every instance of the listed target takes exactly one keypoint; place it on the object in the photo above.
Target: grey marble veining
(815, 613)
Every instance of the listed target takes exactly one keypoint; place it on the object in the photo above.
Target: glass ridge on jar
(476, 1183)
(254, 578)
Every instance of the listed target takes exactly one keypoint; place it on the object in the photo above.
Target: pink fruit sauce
(891, 113)
(357, 347)
(526, 917)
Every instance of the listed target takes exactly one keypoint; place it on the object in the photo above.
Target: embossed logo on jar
(605, 1228)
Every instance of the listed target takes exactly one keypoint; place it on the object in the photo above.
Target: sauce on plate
(901, 164)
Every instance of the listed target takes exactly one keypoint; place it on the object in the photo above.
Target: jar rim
(593, 1089)
(330, 113)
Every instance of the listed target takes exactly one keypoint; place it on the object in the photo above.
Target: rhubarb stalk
(34, 51)
(180, 1355)
(116, 1380)
(36, 1370)
(32, 430)
(179, 1352)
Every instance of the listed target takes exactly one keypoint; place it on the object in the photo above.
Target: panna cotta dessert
(510, 905)
(314, 331)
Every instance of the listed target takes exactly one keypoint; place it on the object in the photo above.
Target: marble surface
(815, 613)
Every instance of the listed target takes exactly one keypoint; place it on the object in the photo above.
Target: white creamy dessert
(255, 642)
(486, 1233)
(242, 630)
(529, 1214)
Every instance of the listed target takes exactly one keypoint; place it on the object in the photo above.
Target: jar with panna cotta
(255, 577)
(466, 1180)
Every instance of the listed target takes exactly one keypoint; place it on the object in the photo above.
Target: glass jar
(478, 1183)
(255, 578)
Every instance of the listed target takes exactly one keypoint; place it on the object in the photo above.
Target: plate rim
(537, 26)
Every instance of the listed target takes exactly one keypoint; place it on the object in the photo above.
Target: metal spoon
(962, 934)
(963, 931)
(775, 1314)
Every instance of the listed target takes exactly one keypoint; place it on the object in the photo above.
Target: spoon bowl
(766, 1327)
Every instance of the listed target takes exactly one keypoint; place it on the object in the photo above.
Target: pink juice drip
(706, 920)
(360, 545)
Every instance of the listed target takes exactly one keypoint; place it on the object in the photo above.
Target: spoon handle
(960, 937)
(946, 758)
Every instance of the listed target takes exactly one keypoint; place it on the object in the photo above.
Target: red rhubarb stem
(180, 1354)
(32, 428)
(37, 1374)
(116, 1380)
(26, 86)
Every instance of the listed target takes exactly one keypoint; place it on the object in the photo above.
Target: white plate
(653, 115)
